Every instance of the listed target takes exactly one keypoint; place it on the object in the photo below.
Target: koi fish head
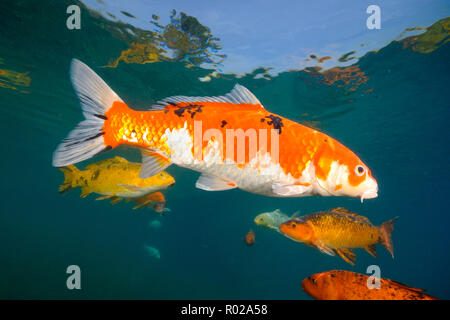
(322, 286)
(297, 229)
(160, 181)
(339, 172)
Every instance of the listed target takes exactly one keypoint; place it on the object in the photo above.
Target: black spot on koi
(95, 175)
(277, 122)
(192, 109)
(223, 123)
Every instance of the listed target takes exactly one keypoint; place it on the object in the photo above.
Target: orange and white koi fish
(190, 131)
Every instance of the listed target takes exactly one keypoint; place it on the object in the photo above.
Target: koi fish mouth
(369, 194)
(372, 192)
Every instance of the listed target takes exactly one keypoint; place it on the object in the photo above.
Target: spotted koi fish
(117, 179)
(347, 285)
(190, 132)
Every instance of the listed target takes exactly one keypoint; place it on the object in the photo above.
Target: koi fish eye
(293, 225)
(313, 280)
(359, 170)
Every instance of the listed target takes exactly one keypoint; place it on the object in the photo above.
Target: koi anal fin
(372, 250)
(347, 254)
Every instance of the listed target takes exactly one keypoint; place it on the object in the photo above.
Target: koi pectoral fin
(130, 187)
(212, 183)
(290, 190)
(324, 248)
(153, 162)
(347, 254)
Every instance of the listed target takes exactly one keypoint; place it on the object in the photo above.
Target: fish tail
(385, 235)
(70, 173)
(91, 136)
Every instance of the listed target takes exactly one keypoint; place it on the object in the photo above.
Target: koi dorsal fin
(348, 212)
(295, 214)
(347, 254)
(239, 95)
(116, 159)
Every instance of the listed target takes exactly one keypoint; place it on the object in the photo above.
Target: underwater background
(391, 106)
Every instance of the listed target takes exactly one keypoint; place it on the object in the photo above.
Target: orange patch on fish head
(322, 286)
(297, 230)
(340, 172)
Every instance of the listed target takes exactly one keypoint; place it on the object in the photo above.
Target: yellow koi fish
(116, 178)
(337, 231)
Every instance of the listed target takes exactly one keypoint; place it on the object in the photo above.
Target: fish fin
(69, 183)
(347, 254)
(130, 187)
(350, 213)
(341, 210)
(141, 202)
(152, 199)
(239, 95)
(97, 164)
(385, 235)
(153, 162)
(372, 249)
(115, 199)
(295, 214)
(87, 139)
(287, 190)
(213, 183)
(141, 205)
(85, 191)
(324, 248)
(104, 197)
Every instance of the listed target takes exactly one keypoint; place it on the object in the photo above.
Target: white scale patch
(179, 142)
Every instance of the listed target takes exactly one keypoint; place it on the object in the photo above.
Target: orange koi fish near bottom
(347, 285)
(209, 134)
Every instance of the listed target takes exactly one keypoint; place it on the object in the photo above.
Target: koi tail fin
(70, 173)
(88, 137)
(385, 235)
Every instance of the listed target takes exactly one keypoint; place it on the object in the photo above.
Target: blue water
(396, 120)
